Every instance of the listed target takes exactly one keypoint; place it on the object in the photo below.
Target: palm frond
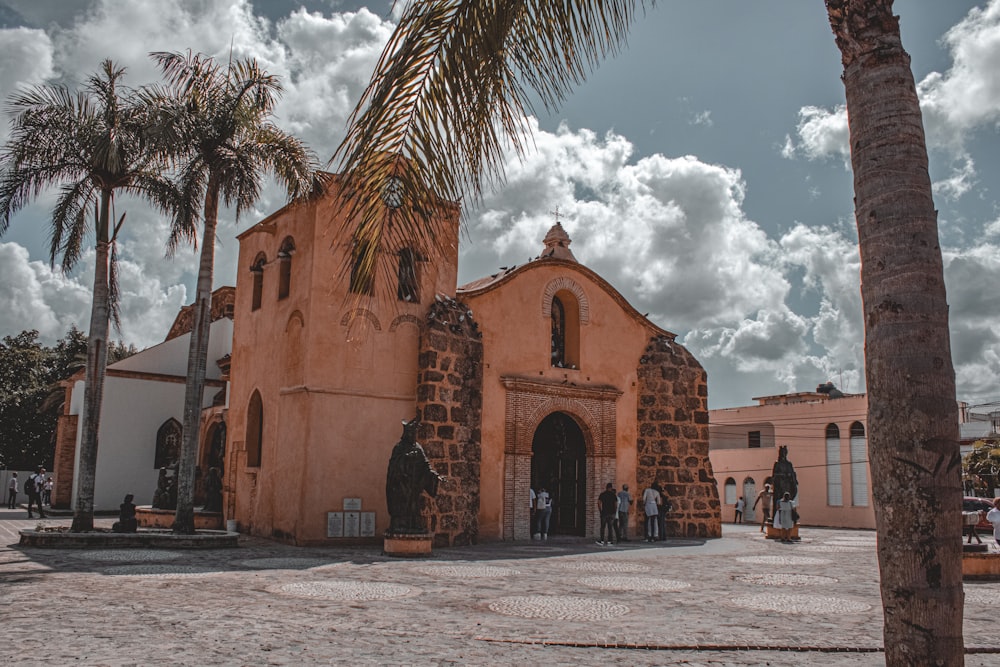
(449, 96)
(69, 221)
(114, 289)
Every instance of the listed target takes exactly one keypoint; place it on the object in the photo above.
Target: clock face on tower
(392, 192)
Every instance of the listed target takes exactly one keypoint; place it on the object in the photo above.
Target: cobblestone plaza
(738, 600)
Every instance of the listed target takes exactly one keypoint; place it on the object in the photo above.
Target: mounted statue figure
(409, 475)
(783, 478)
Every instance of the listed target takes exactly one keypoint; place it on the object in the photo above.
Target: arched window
(255, 430)
(257, 271)
(749, 496)
(407, 286)
(730, 491)
(558, 333)
(834, 493)
(859, 465)
(565, 316)
(358, 284)
(285, 267)
(168, 444)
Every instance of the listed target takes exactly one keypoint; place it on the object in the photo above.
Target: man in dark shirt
(607, 505)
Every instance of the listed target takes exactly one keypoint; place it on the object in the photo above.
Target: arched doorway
(559, 464)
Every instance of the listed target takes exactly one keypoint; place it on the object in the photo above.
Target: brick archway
(528, 403)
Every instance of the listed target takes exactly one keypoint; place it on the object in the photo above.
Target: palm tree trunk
(912, 409)
(197, 359)
(93, 387)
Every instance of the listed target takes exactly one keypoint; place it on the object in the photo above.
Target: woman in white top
(650, 500)
(993, 516)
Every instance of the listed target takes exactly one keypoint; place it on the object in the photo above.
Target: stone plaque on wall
(334, 524)
(368, 524)
(352, 524)
(352, 504)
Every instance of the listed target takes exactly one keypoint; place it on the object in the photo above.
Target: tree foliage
(27, 430)
(981, 468)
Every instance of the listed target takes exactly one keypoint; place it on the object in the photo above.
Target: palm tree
(451, 88)
(92, 144)
(913, 415)
(222, 113)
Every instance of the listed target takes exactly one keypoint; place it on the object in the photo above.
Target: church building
(540, 375)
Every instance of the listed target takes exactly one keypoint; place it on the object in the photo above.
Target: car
(981, 505)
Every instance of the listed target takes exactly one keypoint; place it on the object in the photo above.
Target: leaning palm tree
(93, 145)
(449, 94)
(223, 114)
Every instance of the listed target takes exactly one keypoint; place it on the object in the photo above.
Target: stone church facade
(538, 375)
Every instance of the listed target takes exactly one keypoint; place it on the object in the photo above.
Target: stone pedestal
(775, 533)
(157, 518)
(981, 566)
(407, 546)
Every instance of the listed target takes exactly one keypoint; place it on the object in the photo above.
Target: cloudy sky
(703, 171)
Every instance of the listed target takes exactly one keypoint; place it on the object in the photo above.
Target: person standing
(764, 500)
(661, 517)
(624, 502)
(650, 504)
(785, 519)
(47, 491)
(532, 499)
(12, 493)
(739, 510)
(543, 509)
(34, 487)
(993, 516)
(607, 505)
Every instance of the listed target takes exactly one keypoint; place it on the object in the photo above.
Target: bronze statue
(409, 475)
(213, 491)
(127, 522)
(165, 496)
(783, 478)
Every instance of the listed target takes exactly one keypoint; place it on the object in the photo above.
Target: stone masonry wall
(450, 402)
(672, 420)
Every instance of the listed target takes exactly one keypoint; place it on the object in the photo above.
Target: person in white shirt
(993, 516)
(543, 508)
(35, 492)
(12, 493)
(650, 503)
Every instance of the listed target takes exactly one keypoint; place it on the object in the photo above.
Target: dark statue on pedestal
(165, 496)
(213, 491)
(409, 475)
(126, 517)
(783, 479)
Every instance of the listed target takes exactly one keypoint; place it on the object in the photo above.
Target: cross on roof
(555, 214)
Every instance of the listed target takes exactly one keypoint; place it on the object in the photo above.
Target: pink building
(826, 438)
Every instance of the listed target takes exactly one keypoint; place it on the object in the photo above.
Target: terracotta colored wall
(336, 375)
(450, 399)
(521, 387)
(800, 425)
(673, 438)
(65, 457)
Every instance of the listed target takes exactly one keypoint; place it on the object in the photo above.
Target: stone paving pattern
(737, 600)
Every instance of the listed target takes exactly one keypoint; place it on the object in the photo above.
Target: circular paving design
(982, 595)
(283, 563)
(782, 560)
(125, 555)
(833, 548)
(601, 566)
(634, 584)
(161, 570)
(559, 607)
(345, 590)
(783, 579)
(801, 604)
(467, 571)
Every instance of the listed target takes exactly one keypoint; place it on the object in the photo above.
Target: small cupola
(557, 243)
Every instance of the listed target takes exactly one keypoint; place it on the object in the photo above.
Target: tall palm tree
(451, 88)
(93, 145)
(223, 114)
(913, 415)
